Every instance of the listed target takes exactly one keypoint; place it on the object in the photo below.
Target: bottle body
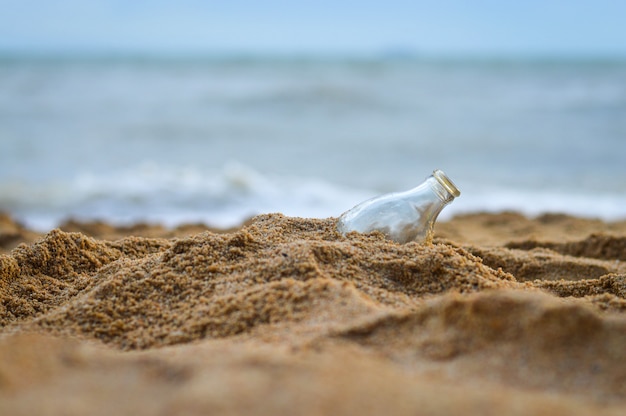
(402, 216)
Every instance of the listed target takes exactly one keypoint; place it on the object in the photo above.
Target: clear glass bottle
(402, 216)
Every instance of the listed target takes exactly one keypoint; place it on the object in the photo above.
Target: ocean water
(219, 139)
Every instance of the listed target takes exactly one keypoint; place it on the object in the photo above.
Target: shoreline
(502, 312)
(481, 227)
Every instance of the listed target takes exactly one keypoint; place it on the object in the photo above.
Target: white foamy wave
(228, 196)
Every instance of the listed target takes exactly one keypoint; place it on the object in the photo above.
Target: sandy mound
(287, 314)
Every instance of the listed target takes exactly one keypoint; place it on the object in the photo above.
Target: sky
(484, 27)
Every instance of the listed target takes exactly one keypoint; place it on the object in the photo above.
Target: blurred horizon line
(391, 54)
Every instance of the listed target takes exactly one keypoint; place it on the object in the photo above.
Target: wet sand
(502, 314)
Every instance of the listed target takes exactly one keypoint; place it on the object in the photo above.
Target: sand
(501, 314)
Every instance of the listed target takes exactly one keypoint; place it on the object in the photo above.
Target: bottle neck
(443, 187)
(442, 193)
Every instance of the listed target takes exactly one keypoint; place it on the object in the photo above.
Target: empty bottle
(402, 216)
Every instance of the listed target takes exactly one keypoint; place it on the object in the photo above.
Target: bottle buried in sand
(402, 216)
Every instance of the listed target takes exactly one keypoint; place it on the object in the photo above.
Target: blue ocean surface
(218, 139)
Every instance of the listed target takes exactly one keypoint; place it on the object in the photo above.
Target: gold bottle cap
(443, 179)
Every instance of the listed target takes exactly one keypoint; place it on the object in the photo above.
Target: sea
(218, 139)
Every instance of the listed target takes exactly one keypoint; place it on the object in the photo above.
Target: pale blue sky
(574, 27)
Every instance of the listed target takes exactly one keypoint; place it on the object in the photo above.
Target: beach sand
(502, 314)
